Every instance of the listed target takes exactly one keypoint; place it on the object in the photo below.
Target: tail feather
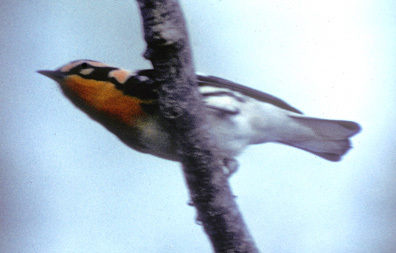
(327, 149)
(331, 137)
(334, 129)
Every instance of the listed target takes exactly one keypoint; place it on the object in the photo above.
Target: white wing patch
(223, 100)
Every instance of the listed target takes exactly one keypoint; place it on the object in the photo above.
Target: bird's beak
(53, 74)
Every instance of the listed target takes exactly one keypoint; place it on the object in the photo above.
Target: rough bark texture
(169, 51)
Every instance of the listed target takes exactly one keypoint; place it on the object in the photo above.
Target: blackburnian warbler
(125, 103)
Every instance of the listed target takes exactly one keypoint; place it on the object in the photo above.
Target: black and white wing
(228, 88)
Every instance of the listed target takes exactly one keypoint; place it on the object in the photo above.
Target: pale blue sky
(68, 185)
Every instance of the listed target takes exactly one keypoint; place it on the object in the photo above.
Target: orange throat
(103, 98)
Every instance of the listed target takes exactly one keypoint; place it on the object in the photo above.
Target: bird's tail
(331, 137)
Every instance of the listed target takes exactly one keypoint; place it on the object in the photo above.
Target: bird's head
(99, 89)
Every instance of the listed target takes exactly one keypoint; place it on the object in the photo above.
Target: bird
(126, 103)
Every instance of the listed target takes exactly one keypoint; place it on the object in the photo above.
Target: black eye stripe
(140, 85)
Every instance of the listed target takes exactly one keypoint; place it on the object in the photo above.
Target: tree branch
(168, 49)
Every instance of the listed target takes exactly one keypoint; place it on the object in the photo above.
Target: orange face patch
(103, 97)
(121, 75)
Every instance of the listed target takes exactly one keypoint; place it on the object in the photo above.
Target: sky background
(68, 185)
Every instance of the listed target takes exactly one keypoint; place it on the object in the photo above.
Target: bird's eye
(84, 65)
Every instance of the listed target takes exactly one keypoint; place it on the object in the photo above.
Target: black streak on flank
(150, 108)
